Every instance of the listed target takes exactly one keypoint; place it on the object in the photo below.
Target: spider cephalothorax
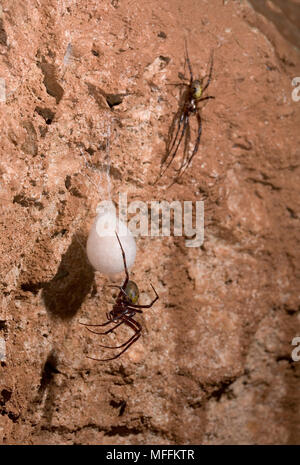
(123, 311)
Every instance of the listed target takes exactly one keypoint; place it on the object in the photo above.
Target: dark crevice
(32, 287)
(114, 99)
(73, 190)
(264, 183)
(286, 358)
(5, 396)
(61, 232)
(290, 310)
(242, 146)
(100, 96)
(292, 213)
(165, 61)
(119, 404)
(115, 3)
(217, 391)
(27, 201)
(11, 415)
(122, 430)
(114, 172)
(3, 325)
(90, 151)
(53, 87)
(3, 35)
(222, 390)
(68, 182)
(30, 146)
(45, 113)
(162, 35)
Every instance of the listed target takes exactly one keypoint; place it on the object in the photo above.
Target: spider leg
(206, 98)
(186, 119)
(119, 310)
(195, 150)
(120, 288)
(133, 306)
(114, 285)
(186, 145)
(185, 156)
(106, 332)
(188, 61)
(186, 163)
(180, 117)
(103, 324)
(120, 346)
(118, 355)
(122, 291)
(179, 83)
(124, 261)
(210, 71)
(137, 328)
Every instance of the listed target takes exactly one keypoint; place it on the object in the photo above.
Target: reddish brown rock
(213, 365)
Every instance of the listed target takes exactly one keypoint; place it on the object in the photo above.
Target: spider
(123, 311)
(188, 106)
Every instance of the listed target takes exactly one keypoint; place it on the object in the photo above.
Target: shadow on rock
(64, 294)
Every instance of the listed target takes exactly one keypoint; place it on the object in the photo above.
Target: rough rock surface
(87, 111)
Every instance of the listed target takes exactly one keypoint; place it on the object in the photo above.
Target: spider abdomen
(132, 292)
(196, 89)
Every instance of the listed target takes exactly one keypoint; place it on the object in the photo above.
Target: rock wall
(87, 102)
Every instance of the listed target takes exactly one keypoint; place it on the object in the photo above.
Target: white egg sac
(103, 249)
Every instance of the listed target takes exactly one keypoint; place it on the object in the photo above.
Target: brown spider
(188, 105)
(123, 311)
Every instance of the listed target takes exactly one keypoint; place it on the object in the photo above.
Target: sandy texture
(88, 87)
